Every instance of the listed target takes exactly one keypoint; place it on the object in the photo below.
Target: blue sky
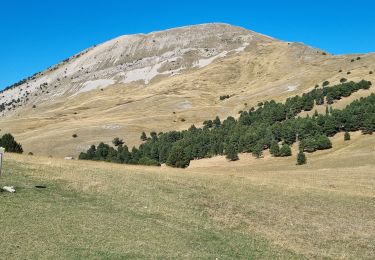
(37, 34)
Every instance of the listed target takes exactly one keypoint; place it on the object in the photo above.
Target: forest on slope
(257, 129)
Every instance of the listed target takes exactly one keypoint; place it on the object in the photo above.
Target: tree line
(271, 125)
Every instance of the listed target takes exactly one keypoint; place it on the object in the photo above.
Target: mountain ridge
(139, 57)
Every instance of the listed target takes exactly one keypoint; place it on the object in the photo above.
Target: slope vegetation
(255, 68)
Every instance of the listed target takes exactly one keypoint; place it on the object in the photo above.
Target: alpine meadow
(207, 141)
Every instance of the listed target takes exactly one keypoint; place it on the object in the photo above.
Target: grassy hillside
(267, 71)
(214, 209)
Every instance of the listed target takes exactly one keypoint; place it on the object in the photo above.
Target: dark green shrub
(224, 97)
(149, 162)
(275, 149)
(301, 158)
(285, 150)
(178, 158)
(346, 136)
(143, 136)
(231, 153)
(117, 141)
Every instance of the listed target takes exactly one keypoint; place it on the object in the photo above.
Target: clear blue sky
(37, 34)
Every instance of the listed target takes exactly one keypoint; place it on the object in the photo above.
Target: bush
(224, 97)
(342, 80)
(325, 83)
(74, 135)
(313, 143)
(83, 156)
(301, 158)
(285, 150)
(308, 145)
(323, 142)
(346, 136)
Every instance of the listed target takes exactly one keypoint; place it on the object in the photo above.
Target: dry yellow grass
(262, 208)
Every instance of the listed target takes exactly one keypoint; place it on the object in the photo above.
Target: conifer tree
(301, 158)
(143, 136)
(231, 153)
(117, 141)
(177, 157)
(217, 122)
(258, 150)
(275, 149)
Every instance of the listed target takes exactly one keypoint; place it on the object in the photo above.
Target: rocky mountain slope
(162, 81)
(132, 58)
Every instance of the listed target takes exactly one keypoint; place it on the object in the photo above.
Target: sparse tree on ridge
(117, 141)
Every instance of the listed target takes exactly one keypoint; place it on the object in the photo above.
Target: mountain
(162, 81)
(134, 58)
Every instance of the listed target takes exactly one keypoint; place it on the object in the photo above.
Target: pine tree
(217, 122)
(178, 158)
(91, 152)
(346, 136)
(275, 149)
(143, 136)
(258, 150)
(329, 98)
(154, 136)
(117, 141)
(231, 153)
(301, 158)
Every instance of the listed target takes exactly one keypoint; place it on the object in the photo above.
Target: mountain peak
(134, 58)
